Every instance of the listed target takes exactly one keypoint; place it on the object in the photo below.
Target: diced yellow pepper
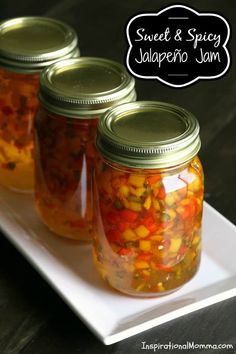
(142, 231)
(141, 265)
(139, 191)
(145, 245)
(176, 195)
(189, 257)
(160, 286)
(185, 201)
(180, 210)
(169, 199)
(190, 194)
(195, 185)
(135, 206)
(123, 191)
(140, 287)
(156, 204)
(196, 240)
(147, 203)
(175, 244)
(158, 238)
(198, 248)
(146, 273)
(136, 180)
(129, 235)
(171, 213)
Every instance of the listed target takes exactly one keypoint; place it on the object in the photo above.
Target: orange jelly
(64, 173)
(18, 105)
(148, 198)
(20, 65)
(73, 94)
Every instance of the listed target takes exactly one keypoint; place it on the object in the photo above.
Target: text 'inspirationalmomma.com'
(155, 347)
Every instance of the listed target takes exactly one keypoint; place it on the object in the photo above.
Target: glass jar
(27, 45)
(73, 95)
(148, 195)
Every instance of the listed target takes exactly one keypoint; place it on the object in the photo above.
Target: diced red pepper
(183, 249)
(163, 224)
(162, 193)
(128, 215)
(113, 217)
(153, 179)
(164, 267)
(113, 236)
(125, 252)
(185, 214)
(189, 226)
(150, 224)
(192, 208)
(144, 256)
(123, 225)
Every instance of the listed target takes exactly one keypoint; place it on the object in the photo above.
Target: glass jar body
(147, 226)
(18, 106)
(64, 159)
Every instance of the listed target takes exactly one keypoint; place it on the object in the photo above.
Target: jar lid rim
(148, 134)
(33, 42)
(77, 86)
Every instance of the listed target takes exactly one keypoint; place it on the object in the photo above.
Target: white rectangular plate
(68, 267)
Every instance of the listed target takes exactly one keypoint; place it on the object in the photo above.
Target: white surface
(68, 267)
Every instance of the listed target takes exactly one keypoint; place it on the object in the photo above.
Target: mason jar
(148, 197)
(73, 95)
(27, 45)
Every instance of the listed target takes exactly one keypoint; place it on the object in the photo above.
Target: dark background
(33, 319)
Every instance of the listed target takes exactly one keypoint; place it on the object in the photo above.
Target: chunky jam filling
(18, 105)
(148, 227)
(64, 161)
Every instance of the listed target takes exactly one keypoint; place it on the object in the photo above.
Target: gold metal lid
(148, 134)
(83, 86)
(31, 43)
